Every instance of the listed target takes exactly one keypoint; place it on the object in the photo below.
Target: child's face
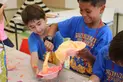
(90, 13)
(37, 26)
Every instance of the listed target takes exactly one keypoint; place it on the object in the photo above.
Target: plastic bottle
(67, 61)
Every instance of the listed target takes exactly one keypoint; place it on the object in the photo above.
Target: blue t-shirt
(105, 69)
(36, 44)
(95, 38)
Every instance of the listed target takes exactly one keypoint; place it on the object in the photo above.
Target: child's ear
(102, 8)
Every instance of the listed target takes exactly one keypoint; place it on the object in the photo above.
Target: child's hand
(1, 12)
(36, 70)
(84, 53)
(2, 8)
(36, 73)
(49, 46)
(71, 52)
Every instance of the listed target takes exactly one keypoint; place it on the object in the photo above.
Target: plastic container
(67, 63)
(53, 73)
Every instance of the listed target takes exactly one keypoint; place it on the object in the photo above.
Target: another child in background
(35, 19)
(108, 66)
(3, 36)
(88, 28)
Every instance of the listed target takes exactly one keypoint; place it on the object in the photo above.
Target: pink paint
(11, 68)
(52, 73)
(9, 78)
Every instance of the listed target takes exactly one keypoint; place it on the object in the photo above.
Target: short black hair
(116, 48)
(94, 2)
(32, 12)
(1, 5)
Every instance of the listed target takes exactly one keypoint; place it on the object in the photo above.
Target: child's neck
(45, 33)
(97, 24)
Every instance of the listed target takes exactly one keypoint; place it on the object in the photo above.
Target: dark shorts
(8, 42)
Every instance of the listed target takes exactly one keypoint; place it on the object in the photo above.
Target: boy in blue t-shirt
(88, 28)
(35, 19)
(108, 66)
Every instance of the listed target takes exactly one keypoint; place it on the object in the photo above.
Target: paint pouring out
(49, 72)
(61, 54)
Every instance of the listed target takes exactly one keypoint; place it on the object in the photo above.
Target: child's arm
(34, 62)
(86, 54)
(1, 12)
(51, 33)
(53, 29)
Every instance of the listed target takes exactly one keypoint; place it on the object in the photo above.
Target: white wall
(61, 3)
(118, 5)
(11, 4)
(71, 4)
(121, 22)
(115, 3)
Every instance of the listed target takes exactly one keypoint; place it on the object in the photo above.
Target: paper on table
(51, 15)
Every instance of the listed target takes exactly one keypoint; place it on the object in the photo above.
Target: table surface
(24, 73)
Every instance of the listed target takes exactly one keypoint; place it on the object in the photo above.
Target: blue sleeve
(32, 44)
(99, 65)
(57, 40)
(65, 27)
(104, 39)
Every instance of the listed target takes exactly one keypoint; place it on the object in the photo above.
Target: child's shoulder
(77, 18)
(105, 26)
(58, 33)
(105, 48)
(58, 36)
(105, 29)
(33, 36)
(104, 51)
